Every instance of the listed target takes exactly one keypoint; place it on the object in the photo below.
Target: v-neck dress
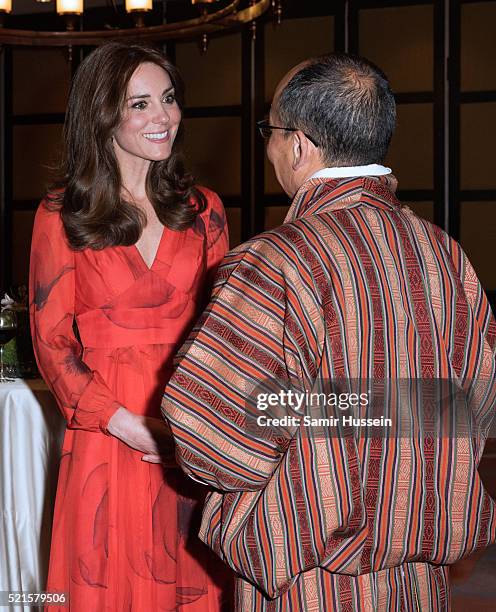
(124, 531)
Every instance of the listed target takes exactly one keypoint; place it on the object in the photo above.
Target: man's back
(354, 287)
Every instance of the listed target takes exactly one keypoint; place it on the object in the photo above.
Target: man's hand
(148, 435)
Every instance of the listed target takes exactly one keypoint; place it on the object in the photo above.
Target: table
(31, 432)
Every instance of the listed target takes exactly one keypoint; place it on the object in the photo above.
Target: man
(353, 287)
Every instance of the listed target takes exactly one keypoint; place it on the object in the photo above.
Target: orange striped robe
(353, 285)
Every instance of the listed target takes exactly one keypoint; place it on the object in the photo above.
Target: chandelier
(215, 17)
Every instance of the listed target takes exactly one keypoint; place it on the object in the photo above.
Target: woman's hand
(150, 436)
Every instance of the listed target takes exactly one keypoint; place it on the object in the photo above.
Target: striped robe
(353, 286)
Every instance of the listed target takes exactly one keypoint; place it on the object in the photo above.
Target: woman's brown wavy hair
(88, 192)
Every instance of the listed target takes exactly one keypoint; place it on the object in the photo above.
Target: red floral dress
(124, 531)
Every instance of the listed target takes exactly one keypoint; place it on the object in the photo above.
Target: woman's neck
(134, 186)
(134, 171)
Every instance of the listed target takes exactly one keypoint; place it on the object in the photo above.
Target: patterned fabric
(353, 286)
(122, 531)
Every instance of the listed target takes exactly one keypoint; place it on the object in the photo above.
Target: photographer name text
(308, 421)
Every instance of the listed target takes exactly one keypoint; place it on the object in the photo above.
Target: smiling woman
(125, 246)
(150, 120)
(149, 124)
(109, 192)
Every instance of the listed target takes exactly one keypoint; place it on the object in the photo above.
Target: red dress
(124, 531)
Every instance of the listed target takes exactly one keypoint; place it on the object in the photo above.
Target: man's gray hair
(345, 104)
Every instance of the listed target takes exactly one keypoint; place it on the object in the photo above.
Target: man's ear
(302, 150)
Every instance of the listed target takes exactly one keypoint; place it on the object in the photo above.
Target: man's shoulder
(421, 225)
(281, 241)
(272, 251)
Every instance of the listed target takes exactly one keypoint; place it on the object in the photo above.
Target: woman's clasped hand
(148, 435)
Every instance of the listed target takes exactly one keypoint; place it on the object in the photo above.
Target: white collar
(349, 171)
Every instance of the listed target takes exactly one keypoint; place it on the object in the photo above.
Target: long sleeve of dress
(82, 395)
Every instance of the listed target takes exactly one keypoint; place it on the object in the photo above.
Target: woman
(125, 246)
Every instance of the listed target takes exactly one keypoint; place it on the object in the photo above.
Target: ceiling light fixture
(214, 20)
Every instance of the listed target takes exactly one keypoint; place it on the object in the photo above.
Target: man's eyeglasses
(266, 130)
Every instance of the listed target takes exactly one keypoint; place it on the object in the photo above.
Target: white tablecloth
(31, 430)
